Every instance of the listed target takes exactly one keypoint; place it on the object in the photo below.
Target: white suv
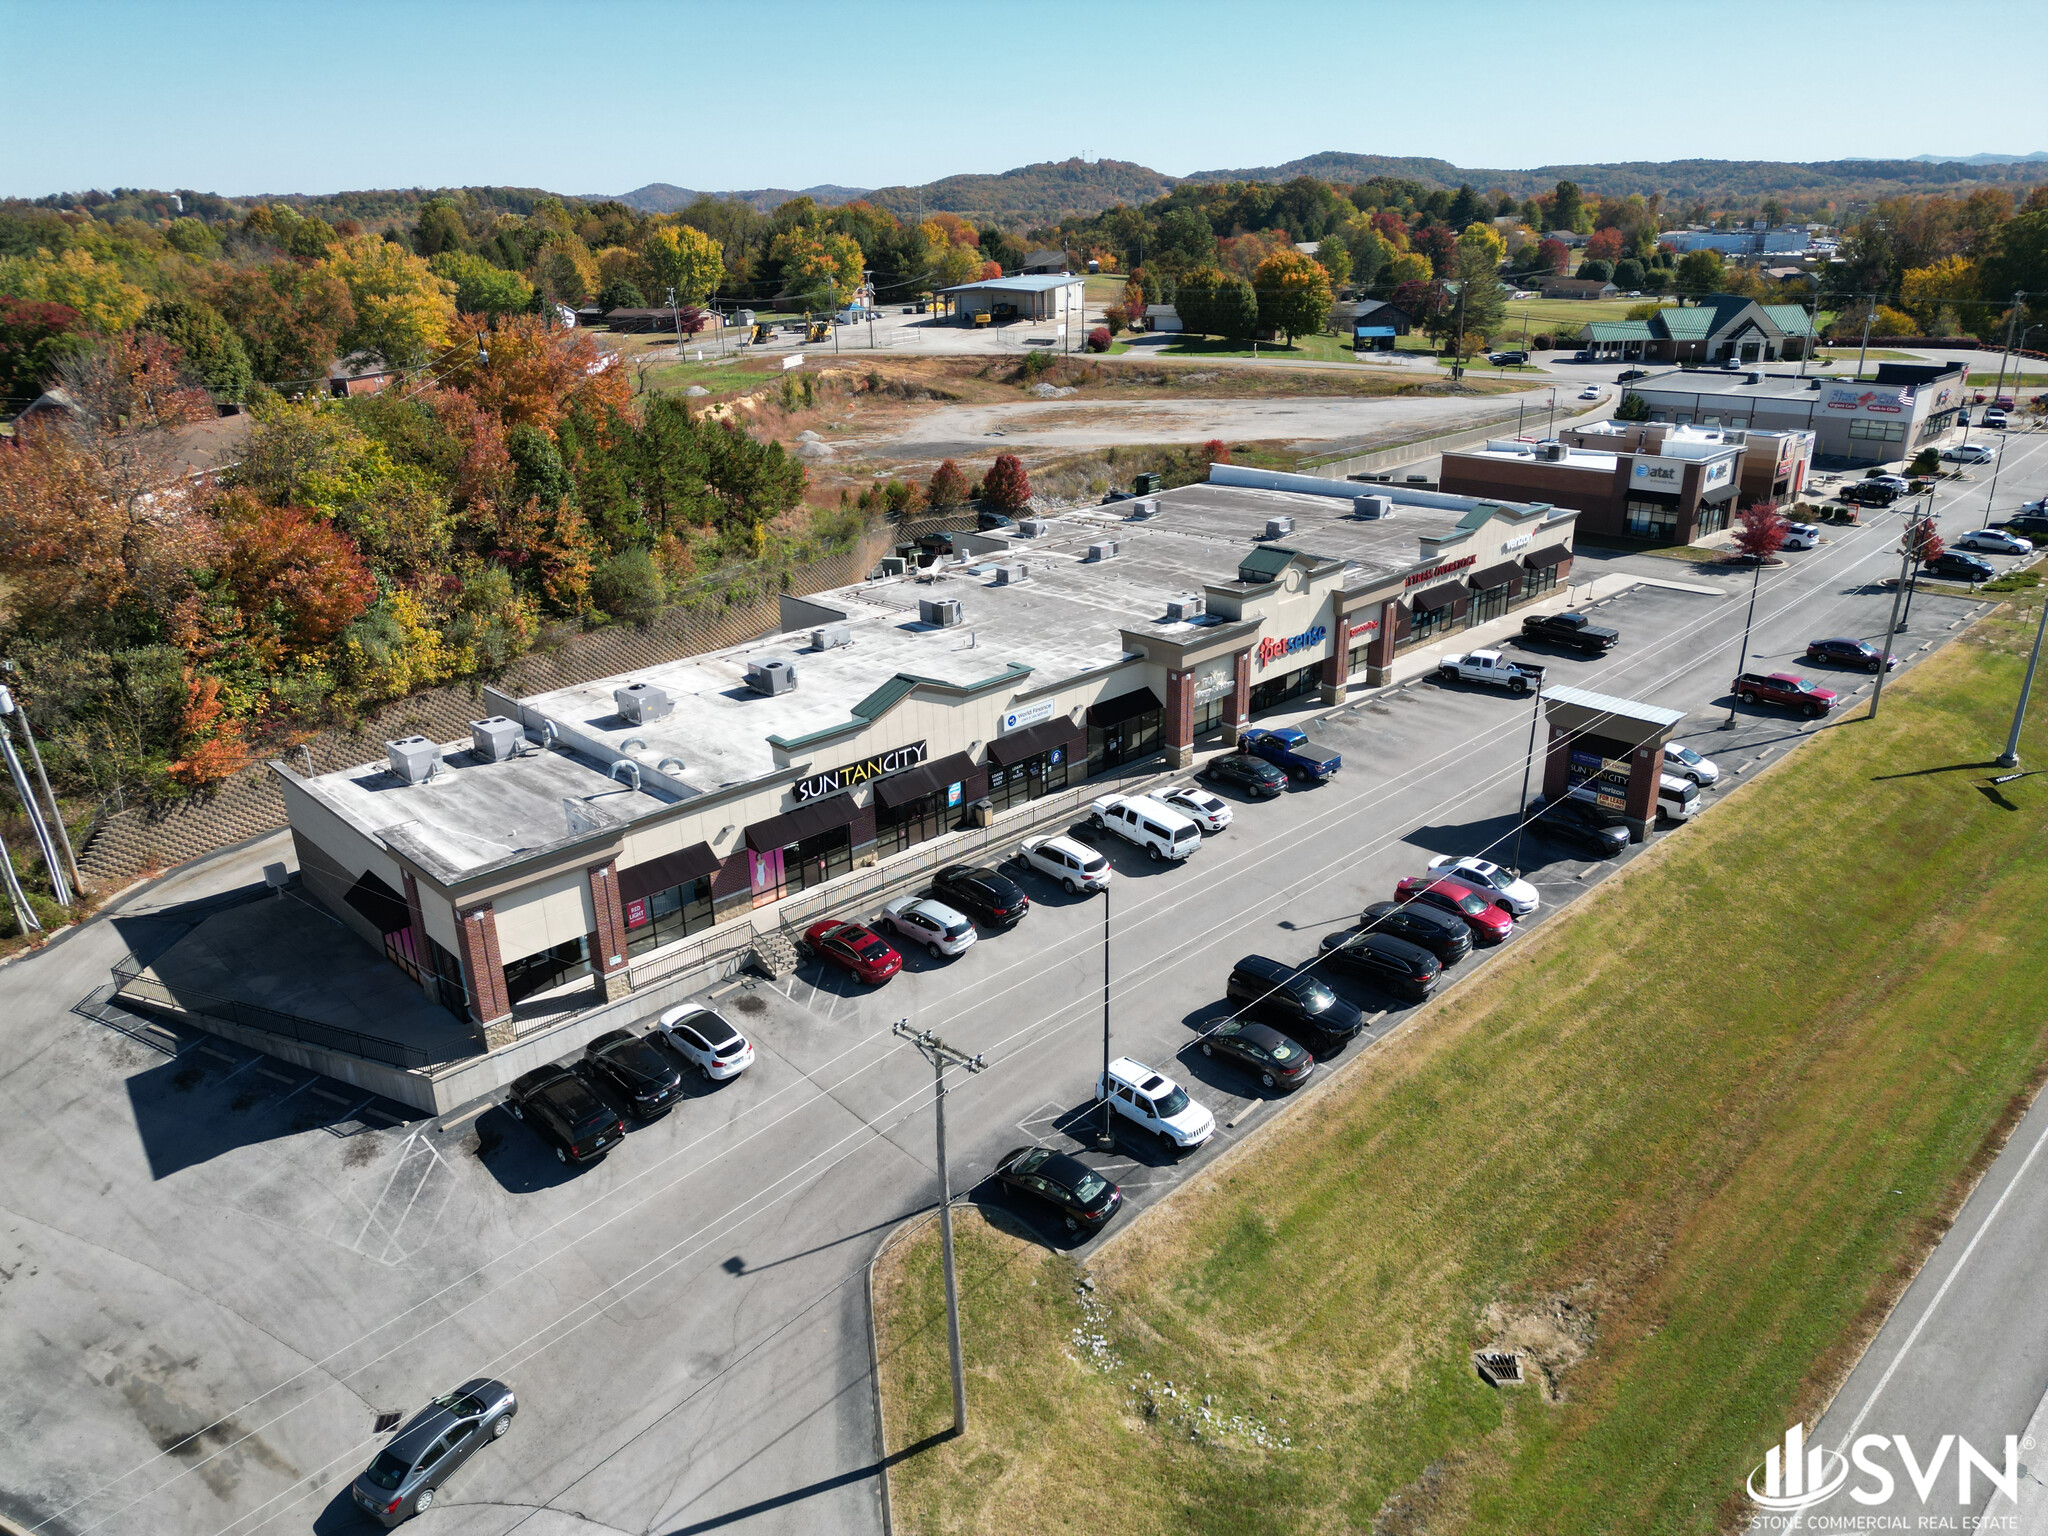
(1061, 858)
(1156, 1104)
(1161, 831)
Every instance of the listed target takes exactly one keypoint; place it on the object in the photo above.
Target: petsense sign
(1308, 639)
(849, 775)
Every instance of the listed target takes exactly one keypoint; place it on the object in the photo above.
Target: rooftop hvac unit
(771, 675)
(1011, 575)
(641, 702)
(1551, 453)
(1144, 507)
(495, 739)
(1372, 508)
(893, 565)
(1185, 608)
(1279, 527)
(940, 612)
(831, 637)
(1034, 528)
(1106, 550)
(413, 758)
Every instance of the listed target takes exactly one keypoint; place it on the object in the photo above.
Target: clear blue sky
(244, 96)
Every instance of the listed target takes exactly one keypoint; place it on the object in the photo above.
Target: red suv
(1786, 688)
(853, 949)
(1489, 924)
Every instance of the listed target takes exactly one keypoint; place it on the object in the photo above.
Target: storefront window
(1487, 603)
(1426, 624)
(1111, 746)
(1357, 657)
(448, 972)
(817, 859)
(1539, 579)
(1039, 774)
(1648, 520)
(1712, 517)
(663, 916)
(1276, 691)
(1208, 717)
(906, 825)
(547, 970)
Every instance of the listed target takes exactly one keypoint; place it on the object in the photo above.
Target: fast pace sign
(1273, 650)
(1417, 578)
(850, 775)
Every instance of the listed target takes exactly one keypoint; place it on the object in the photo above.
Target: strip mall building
(580, 834)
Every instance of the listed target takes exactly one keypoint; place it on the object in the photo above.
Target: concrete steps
(775, 954)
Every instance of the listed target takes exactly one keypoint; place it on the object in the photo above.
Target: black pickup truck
(1571, 630)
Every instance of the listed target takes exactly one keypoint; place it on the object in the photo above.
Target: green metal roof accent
(1265, 563)
(1792, 319)
(894, 692)
(1621, 330)
(1685, 324)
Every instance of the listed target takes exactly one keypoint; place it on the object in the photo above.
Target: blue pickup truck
(1291, 751)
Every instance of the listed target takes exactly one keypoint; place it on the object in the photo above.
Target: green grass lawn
(1681, 1148)
(1318, 348)
(716, 377)
(2012, 380)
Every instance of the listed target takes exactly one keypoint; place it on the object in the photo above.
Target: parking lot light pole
(1105, 1139)
(1991, 495)
(2010, 757)
(1892, 628)
(941, 1056)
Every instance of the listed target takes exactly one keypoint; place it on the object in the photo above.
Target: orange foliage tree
(298, 580)
(527, 374)
(210, 738)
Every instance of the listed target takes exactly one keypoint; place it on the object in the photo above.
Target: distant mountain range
(1052, 190)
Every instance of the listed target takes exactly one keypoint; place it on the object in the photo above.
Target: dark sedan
(1393, 965)
(1599, 831)
(409, 1472)
(562, 1107)
(1082, 1197)
(988, 896)
(637, 1070)
(1254, 775)
(1445, 936)
(1956, 566)
(1268, 1055)
(1846, 652)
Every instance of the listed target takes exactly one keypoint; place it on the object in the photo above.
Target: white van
(1677, 799)
(1160, 830)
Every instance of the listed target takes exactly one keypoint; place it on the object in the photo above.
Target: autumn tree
(948, 487)
(291, 317)
(686, 260)
(403, 311)
(482, 287)
(34, 336)
(298, 581)
(527, 372)
(212, 352)
(1293, 294)
(1760, 531)
(1006, 486)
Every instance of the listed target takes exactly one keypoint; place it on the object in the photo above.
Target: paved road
(211, 1290)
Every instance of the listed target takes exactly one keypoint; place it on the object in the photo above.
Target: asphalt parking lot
(210, 1302)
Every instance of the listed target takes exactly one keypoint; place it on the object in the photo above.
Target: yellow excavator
(763, 334)
(820, 330)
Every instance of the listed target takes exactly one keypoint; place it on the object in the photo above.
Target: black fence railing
(134, 986)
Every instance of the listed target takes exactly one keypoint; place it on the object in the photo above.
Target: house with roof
(1036, 296)
(1045, 261)
(1374, 324)
(1577, 288)
(1723, 327)
(360, 373)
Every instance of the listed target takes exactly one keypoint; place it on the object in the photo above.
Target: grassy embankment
(1683, 1148)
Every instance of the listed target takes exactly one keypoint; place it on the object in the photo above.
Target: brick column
(608, 943)
(484, 968)
(1237, 718)
(421, 955)
(1179, 721)
(1379, 655)
(1557, 765)
(1645, 769)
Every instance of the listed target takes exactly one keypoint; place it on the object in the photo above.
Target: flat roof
(1611, 704)
(1769, 386)
(1037, 282)
(1509, 450)
(1063, 621)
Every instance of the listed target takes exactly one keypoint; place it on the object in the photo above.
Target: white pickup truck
(1161, 830)
(1490, 667)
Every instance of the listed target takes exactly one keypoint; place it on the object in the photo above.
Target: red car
(1787, 688)
(1489, 924)
(853, 948)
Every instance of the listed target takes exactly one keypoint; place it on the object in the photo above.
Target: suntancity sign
(849, 775)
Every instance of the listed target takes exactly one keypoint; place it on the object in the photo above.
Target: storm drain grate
(386, 1422)
(1498, 1369)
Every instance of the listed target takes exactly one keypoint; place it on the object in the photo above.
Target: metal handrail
(133, 985)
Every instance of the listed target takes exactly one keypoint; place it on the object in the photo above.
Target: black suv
(1292, 1001)
(1593, 827)
(1447, 937)
(1393, 965)
(1869, 493)
(637, 1070)
(1957, 566)
(991, 898)
(1254, 775)
(560, 1105)
(992, 522)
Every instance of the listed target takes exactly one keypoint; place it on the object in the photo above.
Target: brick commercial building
(1906, 408)
(579, 842)
(1775, 465)
(1671, 496)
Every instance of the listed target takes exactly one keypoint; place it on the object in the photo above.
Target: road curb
(896, 1234)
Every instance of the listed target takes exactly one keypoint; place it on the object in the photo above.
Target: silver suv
(409, 1472)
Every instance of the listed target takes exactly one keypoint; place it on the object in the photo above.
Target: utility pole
(1742, 658)
(676, 310)
(2011, 319)
(1916, 536)
(1891, 628)
(941, 1056)
(9, 703)
(1870, 313)
(2010, 758)
(1528, 763)
(58, 884)
(1991, 494)
(1105, 1139)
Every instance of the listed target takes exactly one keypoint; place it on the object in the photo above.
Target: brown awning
(1494, 576)
(1043, 737)
(1542, 557)
(1125, 706)
(1433, 598)
(671, 869)
(805, 821)
(901, 788)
